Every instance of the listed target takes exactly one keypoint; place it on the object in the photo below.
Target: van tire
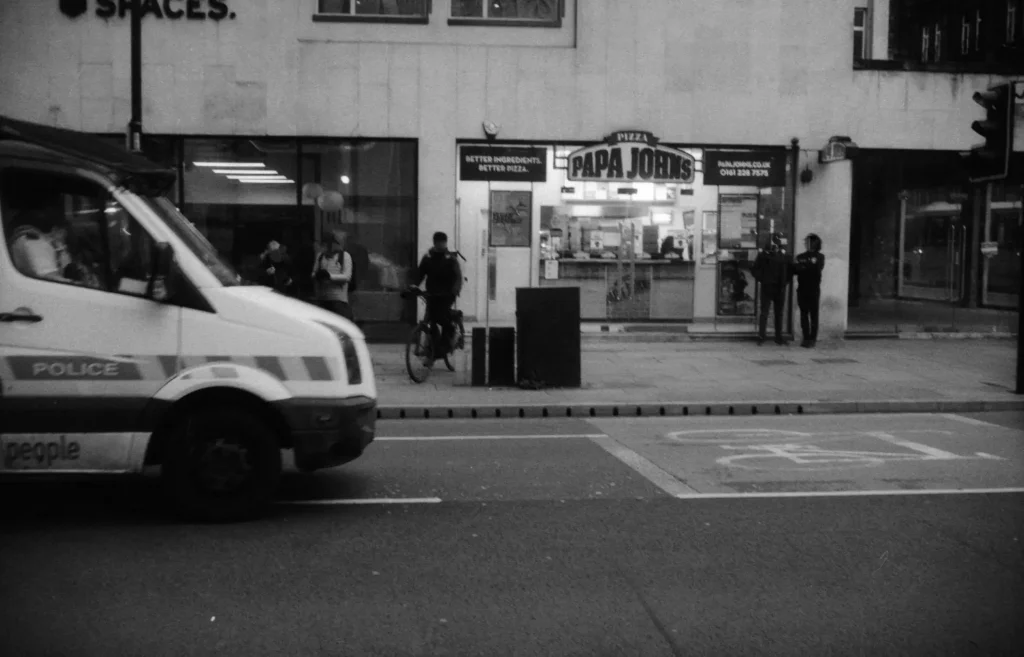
(249, 452)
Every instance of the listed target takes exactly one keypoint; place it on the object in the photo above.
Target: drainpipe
(134, 136)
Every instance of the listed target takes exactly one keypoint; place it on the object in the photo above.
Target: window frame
(484, 21)
(107, 195)
(863, 13)
(320, 16)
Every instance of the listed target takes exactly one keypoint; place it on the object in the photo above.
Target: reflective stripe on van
(150, 368)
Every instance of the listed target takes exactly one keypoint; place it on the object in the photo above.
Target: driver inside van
(41, 246)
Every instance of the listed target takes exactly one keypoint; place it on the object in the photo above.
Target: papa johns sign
(631, 156)
(214, 10)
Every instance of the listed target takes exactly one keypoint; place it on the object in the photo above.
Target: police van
(126, 340)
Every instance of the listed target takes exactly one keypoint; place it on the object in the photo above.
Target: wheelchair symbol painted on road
(796, 450)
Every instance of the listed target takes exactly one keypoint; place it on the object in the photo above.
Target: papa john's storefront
(649, 231)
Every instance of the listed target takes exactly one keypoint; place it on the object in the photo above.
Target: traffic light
(991, 160)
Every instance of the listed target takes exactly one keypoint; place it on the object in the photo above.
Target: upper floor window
(517, 13)
(860, 33)
(926, 46)
(938, 42)
(390, 11)
(965, 36)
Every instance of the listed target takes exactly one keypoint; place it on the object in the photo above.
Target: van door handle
(21, 315)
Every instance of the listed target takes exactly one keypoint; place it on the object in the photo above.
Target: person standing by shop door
(809, 265)
(772, 270)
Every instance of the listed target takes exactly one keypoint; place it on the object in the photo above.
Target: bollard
(464, 363)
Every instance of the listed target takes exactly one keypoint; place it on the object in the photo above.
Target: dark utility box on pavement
(548, 324)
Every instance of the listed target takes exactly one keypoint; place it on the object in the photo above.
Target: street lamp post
(134, 136)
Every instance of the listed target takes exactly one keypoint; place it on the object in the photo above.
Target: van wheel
(221, 466)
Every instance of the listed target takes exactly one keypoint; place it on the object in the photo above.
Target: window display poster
(551, 270)
(737, 222)
(511, 218)
(736, 288)
(709, 248)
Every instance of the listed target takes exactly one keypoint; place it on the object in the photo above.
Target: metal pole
(1020, 301)
(135, 125)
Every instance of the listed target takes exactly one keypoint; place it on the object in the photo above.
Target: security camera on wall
(491, 130)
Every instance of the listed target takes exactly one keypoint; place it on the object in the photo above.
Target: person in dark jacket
(808, 294)
(277, 267)
(772, 270)
(444, 284)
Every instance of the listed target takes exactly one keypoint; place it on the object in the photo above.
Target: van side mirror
(160, 286)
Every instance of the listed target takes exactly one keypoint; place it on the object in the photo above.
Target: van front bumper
(329, 432)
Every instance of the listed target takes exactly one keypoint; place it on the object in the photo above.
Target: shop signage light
(194, 10)
(631, 156)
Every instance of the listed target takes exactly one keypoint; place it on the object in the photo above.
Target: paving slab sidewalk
(844, 376)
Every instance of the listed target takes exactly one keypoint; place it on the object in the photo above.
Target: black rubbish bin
(548, 327)
(495, 348)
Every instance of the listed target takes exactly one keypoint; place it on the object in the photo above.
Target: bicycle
(422, 346)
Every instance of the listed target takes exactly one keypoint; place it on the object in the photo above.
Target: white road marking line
(378, 500)
(851, 493)
(972, 421)
(986, 455)
(932, 452)
(535, 436)
(643, 467)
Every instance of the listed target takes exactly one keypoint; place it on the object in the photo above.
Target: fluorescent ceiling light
(237, 165)
(250, 172)
(239, 176)
(265, 181)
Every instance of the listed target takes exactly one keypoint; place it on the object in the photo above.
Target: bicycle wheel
(419, 354)
(459, 342)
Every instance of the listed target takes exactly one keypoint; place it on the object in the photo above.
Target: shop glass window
(378, 219)
(68, 230)
(541, 13)
(860, 27)
(415, 11)
(241, 194)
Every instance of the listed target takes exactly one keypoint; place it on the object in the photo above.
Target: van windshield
(196, 241)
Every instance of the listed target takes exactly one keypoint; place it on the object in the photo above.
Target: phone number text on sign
(746, 173)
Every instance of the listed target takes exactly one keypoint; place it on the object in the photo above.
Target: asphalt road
(557, 537)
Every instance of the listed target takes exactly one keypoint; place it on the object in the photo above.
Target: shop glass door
(931, 275)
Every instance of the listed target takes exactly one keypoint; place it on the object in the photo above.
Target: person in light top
(332, 272)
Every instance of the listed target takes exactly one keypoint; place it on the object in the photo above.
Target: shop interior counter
(663, 288)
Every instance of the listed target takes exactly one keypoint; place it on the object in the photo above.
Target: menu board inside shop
(745, 168)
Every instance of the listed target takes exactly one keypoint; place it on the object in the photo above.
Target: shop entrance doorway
(933, 243)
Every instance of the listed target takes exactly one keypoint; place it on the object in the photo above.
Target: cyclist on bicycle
(444, 283)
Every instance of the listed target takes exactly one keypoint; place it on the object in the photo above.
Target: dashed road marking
(536, 436)
(378, 500)
(971, 421)
(643, 467)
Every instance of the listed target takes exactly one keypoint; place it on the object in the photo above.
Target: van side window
(69, 230)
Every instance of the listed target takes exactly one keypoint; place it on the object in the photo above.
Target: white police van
(127, 341)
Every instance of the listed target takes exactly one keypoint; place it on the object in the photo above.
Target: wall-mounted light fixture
(491, 130)
(837, 149)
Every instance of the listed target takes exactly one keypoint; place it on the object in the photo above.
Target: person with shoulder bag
(332, 273)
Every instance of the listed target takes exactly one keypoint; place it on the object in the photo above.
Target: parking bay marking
(540, 436)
